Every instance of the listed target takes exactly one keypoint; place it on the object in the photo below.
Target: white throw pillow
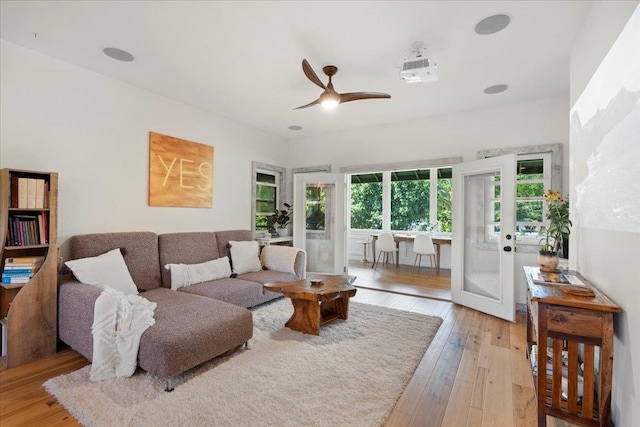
(279, 258)
(190, 274)
(108, 269)
(244, 256)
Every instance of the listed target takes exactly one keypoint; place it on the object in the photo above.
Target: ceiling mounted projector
(417, 68)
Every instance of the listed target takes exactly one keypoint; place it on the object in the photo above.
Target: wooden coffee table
(316, 304)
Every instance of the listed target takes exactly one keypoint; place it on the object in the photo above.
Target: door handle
(507, 249)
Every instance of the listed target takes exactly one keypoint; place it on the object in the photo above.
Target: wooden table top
(437, 240)
(332, 285)
(553, 294)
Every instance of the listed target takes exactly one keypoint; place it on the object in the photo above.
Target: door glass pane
(316, 207)
(481, 270)
(320, 214)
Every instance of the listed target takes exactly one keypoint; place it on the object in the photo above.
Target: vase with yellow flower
(557, 232)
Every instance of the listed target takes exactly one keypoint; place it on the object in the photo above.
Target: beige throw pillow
(244, 256)
(279, 258)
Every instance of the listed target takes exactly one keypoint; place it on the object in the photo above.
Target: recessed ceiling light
(118, 54)
(495, 89)
(492, 24)
(295, 127)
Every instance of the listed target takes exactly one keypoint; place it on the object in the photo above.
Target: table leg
(305, 317)
(373, 248)
(364, 259)
(437, 245)
(334, 309)
(398, 254)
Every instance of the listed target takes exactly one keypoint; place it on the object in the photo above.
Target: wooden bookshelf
(28, 311)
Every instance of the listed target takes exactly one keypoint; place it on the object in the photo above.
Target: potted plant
(556, 232)
(280, 219)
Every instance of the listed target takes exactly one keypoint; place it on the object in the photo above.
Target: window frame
(280, 180)
(552, 178)
(386, 169)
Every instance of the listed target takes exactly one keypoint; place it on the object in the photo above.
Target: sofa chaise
(192, 324)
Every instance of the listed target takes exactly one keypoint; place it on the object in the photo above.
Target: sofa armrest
(76, 303)
(285, 259)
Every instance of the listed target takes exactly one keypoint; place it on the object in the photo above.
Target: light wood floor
(474, 373)
(407, 280)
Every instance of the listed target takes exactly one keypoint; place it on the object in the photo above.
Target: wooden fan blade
(311, 104)
(311, 75)
(354, 96)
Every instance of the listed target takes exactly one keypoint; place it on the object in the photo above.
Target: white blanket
(118, 323)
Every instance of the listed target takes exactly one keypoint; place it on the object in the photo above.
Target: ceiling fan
(330, 98)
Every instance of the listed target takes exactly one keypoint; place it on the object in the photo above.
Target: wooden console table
(567, 329)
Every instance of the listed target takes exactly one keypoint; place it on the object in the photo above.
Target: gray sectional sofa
(192, 324)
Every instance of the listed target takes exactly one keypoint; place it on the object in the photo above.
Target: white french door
(319, 213)
(483, 237)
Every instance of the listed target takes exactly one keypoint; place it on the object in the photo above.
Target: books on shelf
(556, 278)
(22, 192)
(28, 193)
(31, 193)
(39, 196)
(14, 280)
(21, 269)
(28, 229)
(24, 260)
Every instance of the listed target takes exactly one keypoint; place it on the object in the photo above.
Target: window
(443, 197)
(401, 199)
(266, 198)
(267, 193)
(410, 199)
(531, 181)
(539, 167)
(532, 178)
(366, 201)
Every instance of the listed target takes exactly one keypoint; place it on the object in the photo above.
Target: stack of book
(28, 229)
(29, 193)
(21, 269)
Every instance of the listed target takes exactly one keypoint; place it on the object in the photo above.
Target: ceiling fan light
(329, 103)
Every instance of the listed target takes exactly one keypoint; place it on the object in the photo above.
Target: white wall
(94, 131)
(605, 170)
(462, 134)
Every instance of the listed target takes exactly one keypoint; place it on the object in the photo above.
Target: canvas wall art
(180, 172)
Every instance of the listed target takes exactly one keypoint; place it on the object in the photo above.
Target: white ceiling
(242, 59)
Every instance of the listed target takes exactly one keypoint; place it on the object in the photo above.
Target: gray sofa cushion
(190, 330)
(266, 276)
(239, 292)
(186, 248)
(140, 253)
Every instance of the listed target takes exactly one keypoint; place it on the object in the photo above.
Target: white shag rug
(350, 375)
